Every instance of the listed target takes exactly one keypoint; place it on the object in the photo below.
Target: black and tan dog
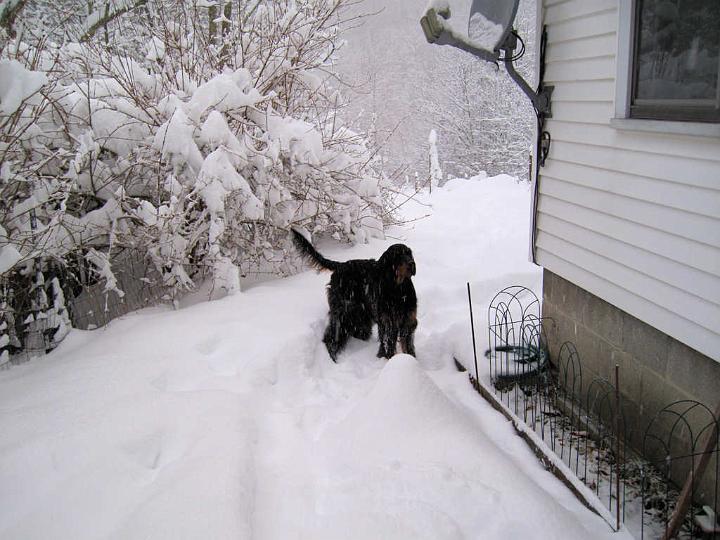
(365, 291)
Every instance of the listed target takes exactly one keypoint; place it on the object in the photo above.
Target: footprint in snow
(208, 346)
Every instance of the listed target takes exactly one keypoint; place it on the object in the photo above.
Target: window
(675, 62)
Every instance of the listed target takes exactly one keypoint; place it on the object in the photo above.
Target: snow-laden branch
(163, 140)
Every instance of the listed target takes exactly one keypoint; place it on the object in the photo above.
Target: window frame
(706, 118)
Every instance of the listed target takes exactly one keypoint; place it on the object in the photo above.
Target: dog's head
(398, 259)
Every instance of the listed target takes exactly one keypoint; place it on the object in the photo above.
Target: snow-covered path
(228, 420)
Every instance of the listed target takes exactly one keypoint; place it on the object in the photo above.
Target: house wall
(631, 216)
(627, 223)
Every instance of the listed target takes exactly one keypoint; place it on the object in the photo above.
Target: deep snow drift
(227, 419)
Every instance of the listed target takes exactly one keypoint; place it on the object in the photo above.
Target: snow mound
(420, 465)
(407, 419)
(400, 410)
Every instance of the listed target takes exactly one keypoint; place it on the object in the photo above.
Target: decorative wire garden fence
(38, 307)
(94, 306)
(655, 492)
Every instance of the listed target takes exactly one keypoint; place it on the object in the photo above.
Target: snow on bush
(16, 85)
(197, 133)
(435, 170)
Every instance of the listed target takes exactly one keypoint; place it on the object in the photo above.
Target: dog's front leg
(407, 344)
(388, 335)
(407, 334)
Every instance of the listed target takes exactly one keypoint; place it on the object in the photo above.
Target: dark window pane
(676, 54)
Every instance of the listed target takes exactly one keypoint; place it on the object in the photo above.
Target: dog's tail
(311, 255)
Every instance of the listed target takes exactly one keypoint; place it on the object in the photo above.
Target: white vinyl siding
(632, 217)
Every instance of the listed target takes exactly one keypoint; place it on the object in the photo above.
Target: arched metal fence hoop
(567, 399)
(601, 403)
(606, 442)
(517, 352)
(510, 306)
(531, 331)
(677, 441)
(569, 369)
(681, 418)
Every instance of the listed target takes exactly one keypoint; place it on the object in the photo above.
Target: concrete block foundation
(655, 369)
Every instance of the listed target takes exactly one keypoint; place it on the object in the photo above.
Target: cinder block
(647, 344)
(594, 353)
(695, 373)
(548, 281)
(569, 298)
(631, 379)
(558, 330)
(603, 319)
(657, 393)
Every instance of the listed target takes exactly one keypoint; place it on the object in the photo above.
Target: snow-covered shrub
(199, 147)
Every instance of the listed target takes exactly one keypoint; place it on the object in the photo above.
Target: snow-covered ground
(227, 419)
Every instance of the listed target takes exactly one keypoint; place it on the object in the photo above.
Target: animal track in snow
(208, 346)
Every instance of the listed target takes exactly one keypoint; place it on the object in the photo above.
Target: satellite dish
(491, 37)
(491, 22)
(490, 33)
(438, 30)
(489, 27)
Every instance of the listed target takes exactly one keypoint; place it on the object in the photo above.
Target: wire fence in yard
(666, 488)
(38, 307)
(94, 306)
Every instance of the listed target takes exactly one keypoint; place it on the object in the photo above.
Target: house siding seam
(632, 217)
